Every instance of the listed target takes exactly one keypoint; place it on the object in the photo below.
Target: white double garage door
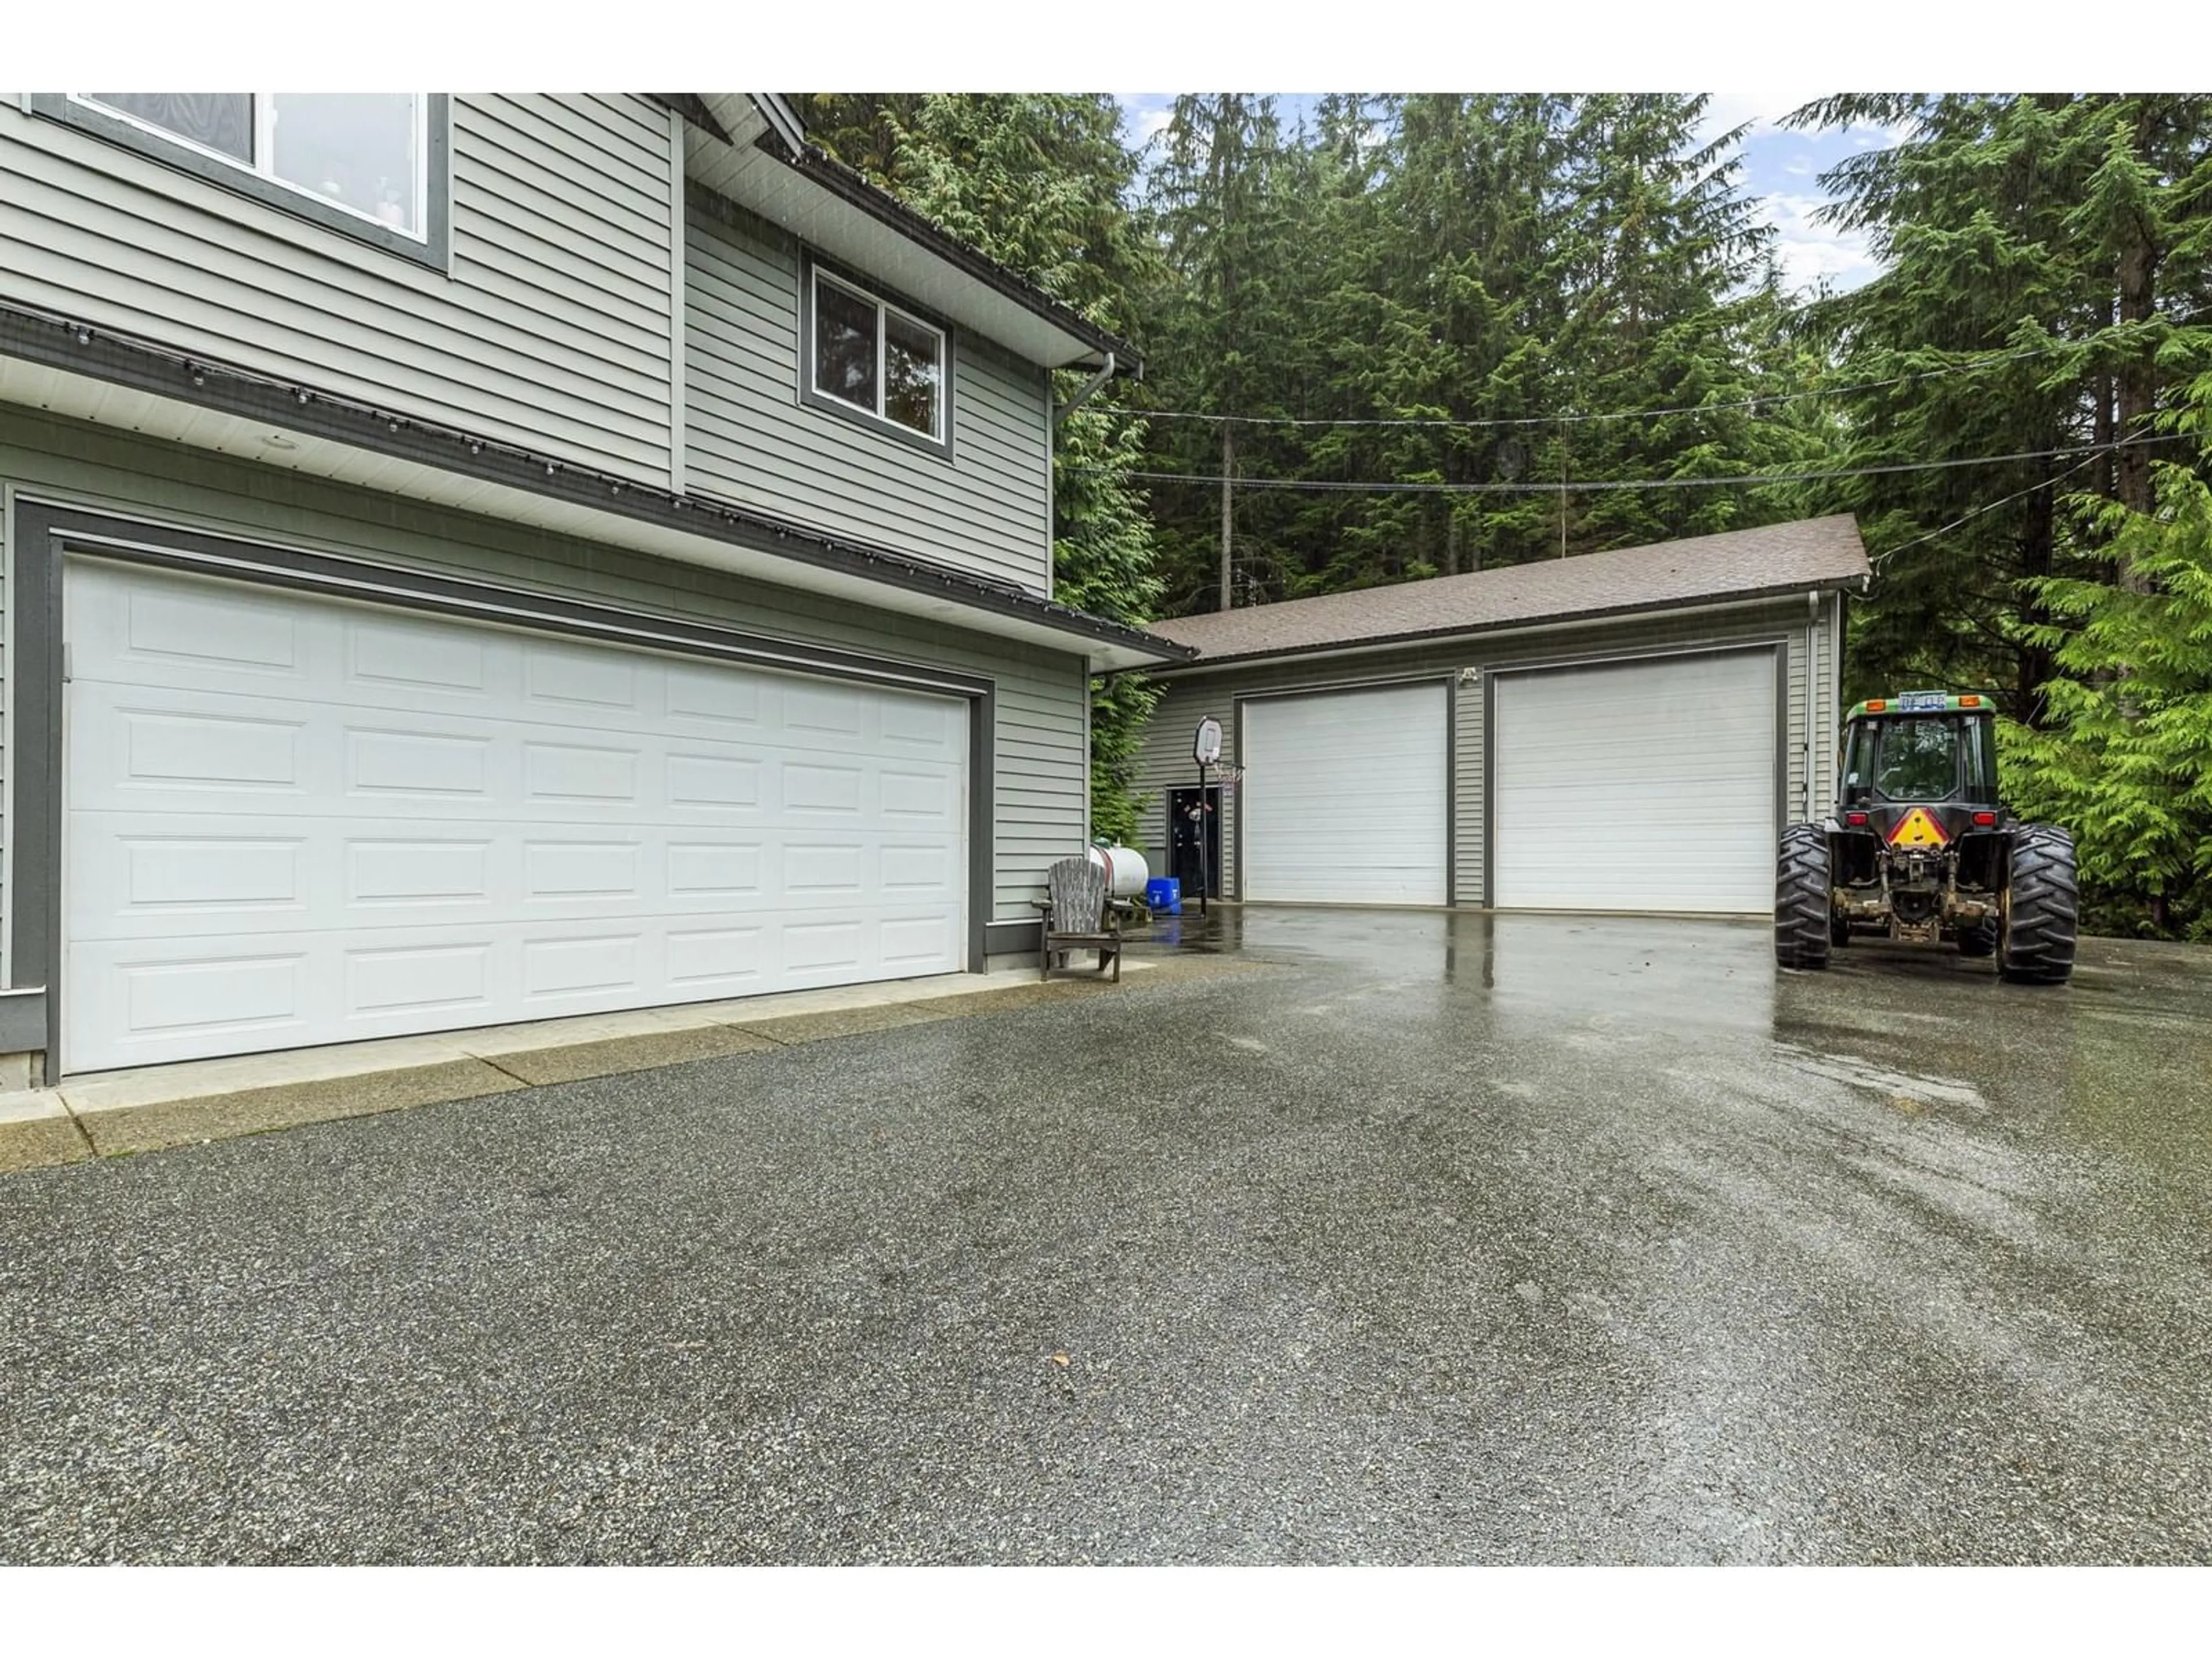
(292, 820)
(1643, 784)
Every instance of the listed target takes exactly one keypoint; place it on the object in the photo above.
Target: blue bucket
(1164, 894)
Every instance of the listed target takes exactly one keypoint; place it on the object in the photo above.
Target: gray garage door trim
(1448, 680)
(1777, 647)
(44, 532)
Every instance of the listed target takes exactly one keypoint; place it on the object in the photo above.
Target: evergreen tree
(1457, 306)
(2144, 223)
(2066, 228)
(1456, 273)
(2125, 755)
(1672, 302)
(1228, 203)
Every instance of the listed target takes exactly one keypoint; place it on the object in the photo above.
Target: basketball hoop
(1226, 774)
(1205, 750)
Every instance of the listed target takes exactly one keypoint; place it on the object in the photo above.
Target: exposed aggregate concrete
(1437, 1239)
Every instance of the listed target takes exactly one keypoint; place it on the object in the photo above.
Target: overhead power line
(1880, 559)
(1578, 486)
(1761, 401)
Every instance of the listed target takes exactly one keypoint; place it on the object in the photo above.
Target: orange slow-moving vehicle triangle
(1916, 829)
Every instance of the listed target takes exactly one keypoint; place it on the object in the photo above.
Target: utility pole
(1228, 515)
(1563, 490)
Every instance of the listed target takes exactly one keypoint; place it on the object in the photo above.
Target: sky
(1781, 169)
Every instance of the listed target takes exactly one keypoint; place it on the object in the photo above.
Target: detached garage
(1490, 740)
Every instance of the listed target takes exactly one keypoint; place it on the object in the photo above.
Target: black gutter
(693, 108)
(786, 123)
(1198, 663)
(79, 347)
(817, 164)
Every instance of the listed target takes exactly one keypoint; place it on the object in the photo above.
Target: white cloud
(1143, 115)
(1781, 169)
(1763, 111)
(1811, 253)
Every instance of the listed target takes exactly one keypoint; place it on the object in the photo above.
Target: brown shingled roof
(1777, 559)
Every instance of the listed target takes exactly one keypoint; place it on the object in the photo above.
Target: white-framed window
(365, 155)
(870, 356)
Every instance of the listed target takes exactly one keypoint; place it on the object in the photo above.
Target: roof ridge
(1459, 577)
(1757, 561)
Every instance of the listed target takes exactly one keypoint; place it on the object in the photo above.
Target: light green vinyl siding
(553, 329)
(1164, 760)
(750, 440)
(7, 702)
(1041, 771)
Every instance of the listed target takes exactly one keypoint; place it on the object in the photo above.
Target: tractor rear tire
(1801, 939)
(1979, 938)
(2043, 907)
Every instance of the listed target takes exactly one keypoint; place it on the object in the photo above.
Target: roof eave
(1201, 663)
(693, 108)
(785, 139)
(74, 347)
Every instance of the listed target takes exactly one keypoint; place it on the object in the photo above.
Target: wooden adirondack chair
(1078, 916)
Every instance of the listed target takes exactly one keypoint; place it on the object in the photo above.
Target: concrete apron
(108, 1113)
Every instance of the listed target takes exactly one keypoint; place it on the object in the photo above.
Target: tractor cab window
(1858, 761)
(1920, 757)
(1915, 759)
(1981, 768)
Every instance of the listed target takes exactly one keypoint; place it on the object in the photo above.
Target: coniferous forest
(1405, 328)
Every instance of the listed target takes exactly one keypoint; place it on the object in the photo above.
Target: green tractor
(1920, 848)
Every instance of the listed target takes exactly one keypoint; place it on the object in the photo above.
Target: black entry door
(1194, 824)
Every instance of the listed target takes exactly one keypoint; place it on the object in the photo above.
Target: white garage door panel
(1344, 797)
(1647, 786)
(293, 821)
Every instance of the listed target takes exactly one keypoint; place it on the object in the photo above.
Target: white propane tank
(1126, 869)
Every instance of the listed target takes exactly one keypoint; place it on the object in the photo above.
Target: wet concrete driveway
(1394, 1238)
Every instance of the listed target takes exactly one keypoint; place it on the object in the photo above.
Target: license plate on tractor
(1913, 702)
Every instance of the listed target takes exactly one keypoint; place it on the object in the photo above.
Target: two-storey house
(478, 559)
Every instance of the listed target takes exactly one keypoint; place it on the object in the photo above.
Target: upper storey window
(868, 356)
(361, 163)
(365, 151)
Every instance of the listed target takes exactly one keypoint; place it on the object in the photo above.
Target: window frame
(1978, 764)
(1878, 731)
(813, 272)
(433, 247)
